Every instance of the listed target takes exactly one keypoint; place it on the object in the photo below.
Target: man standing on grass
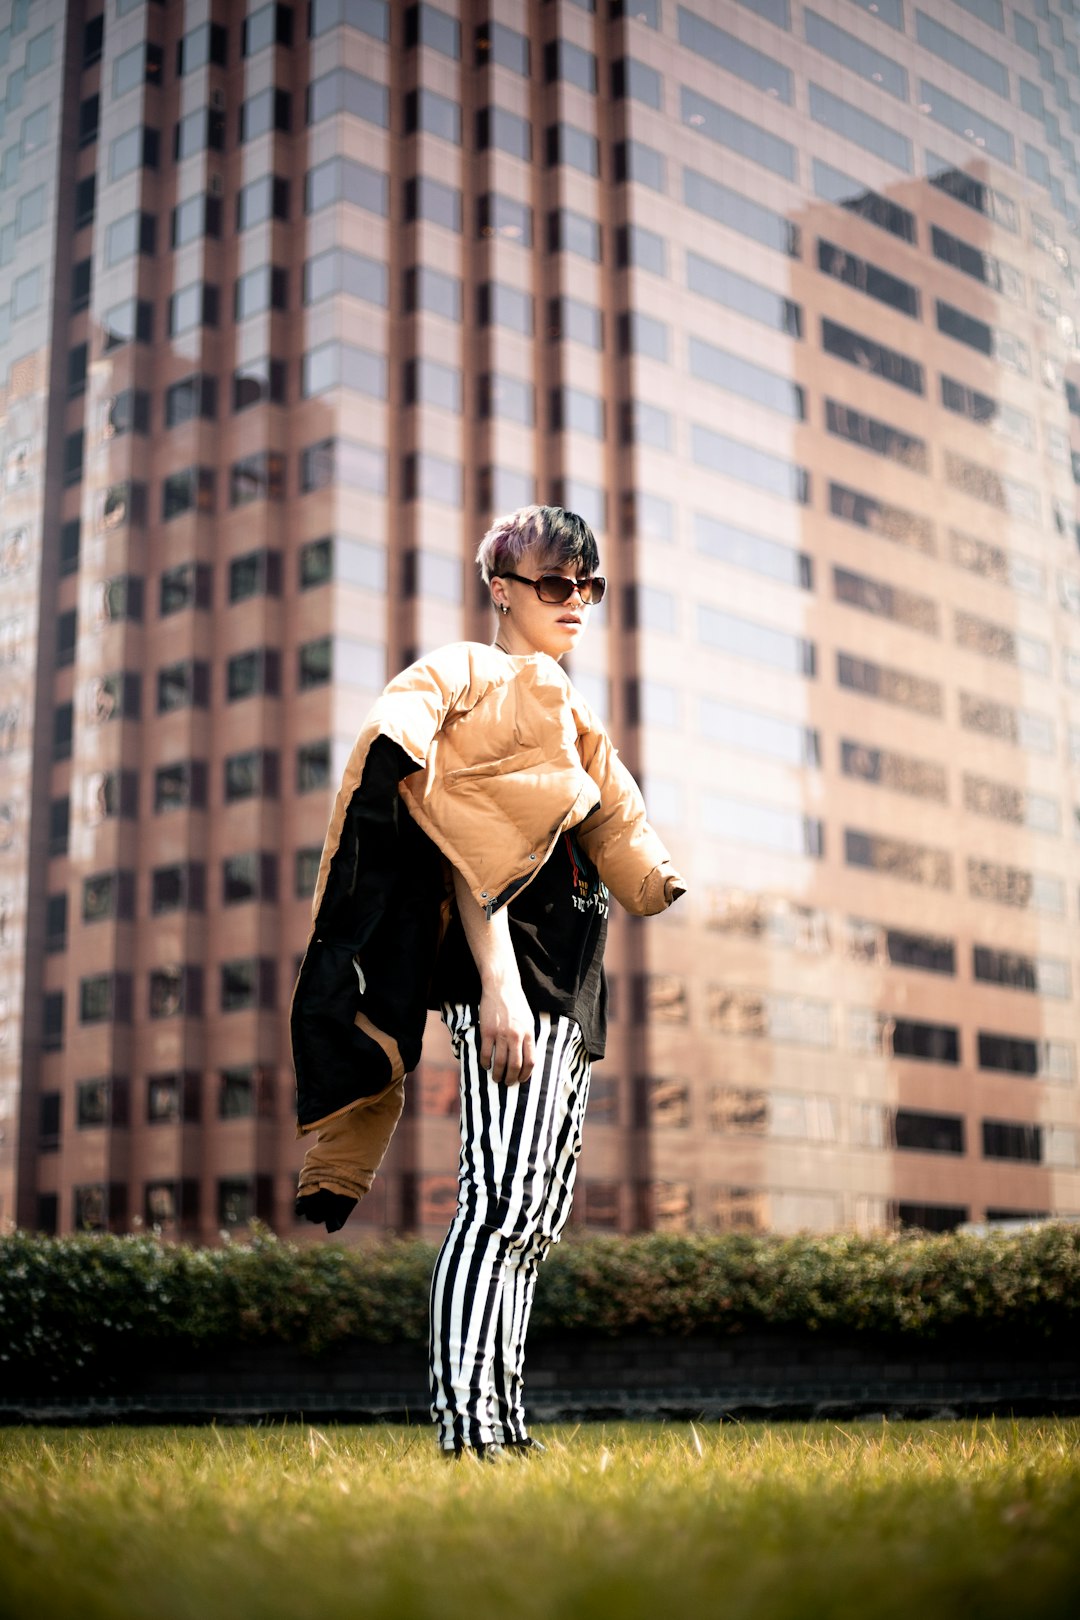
(522, 820)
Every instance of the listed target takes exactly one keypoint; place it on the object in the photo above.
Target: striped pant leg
(519, 1149)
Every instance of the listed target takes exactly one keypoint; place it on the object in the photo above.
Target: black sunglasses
(556, 588)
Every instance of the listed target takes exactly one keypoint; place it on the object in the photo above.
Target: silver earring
(504, 607)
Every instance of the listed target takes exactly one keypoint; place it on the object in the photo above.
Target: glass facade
(780, 297)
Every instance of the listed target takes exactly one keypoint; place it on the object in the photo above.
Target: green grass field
(853, 1521)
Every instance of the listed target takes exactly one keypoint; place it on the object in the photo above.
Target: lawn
(853, 1521)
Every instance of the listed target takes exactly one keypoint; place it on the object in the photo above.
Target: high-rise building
(783, 298)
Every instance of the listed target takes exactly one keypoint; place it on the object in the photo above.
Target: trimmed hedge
(73, 1308)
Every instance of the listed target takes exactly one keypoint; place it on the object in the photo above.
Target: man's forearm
(490, 942)
(506, 1020)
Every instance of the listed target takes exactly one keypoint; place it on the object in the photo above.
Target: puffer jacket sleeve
(630, 857)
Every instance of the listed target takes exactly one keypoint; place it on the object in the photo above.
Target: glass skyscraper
(781, 297)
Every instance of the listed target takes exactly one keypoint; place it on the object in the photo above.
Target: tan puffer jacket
(510, 756)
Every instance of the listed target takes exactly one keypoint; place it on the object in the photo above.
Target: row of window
(185, 684)
(183, 785)
(430, 112)
(103, 1206)
(246, 1092)
(803, 1020)
(810, 1117)
(747, 916)
(110, 896)
(247, 983)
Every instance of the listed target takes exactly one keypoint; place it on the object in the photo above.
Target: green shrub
(70, 1307)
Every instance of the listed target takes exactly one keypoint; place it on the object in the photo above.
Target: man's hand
(506, 1020)
(506, 1033)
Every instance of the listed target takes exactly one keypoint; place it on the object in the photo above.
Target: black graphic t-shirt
(558, 928)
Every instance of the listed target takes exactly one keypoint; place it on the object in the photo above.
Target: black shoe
(485, 1451)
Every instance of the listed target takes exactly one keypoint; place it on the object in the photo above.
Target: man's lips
(569, 618)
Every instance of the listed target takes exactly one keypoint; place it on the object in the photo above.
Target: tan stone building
(782, 298)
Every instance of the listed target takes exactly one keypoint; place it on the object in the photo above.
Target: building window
(270, 25)
(49, 1121)
(205, 45)
(342, 91)
(257, 671)
(137, 148)
(262, 199)
(56, 909)
(343, 180)
(258, 573)
(504, 217)
(128, 412)
(52, 1021)
(500, 46)
(111, 794)
(252, 876)
(181, 786)
(315, 663)
(259, 382)
(1012, 1139)
(188, 585)
(104, 998)
(81, 279)
(313, 766)
(122, 503)
(73, 458)
(66, 637)
(63, 730)
(252, 774)
(108, 895)
(430, 26)
(191, 490)
(93, 39)
(511, 398)
(931, 1217)
(574, 147)
(191, 398)
(176, 991)
(570, 232)
(316, 563)
(306, 873)
(259, 477)
(238, 1200)
(501, 305)
(183, 685)
(921, 1132)
(868, 278)
(199, 130)
(195, 217)
(428, 382)
(193, 306)
(265, 287)
(249, 982)
(101, 1102)
(265, 112)
(638, 82)
(178, 888)
(174, 1097)
(503, 131)
(130, 322)
(429, 199)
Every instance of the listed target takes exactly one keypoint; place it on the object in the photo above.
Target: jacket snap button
(483, 894)
(532, 857)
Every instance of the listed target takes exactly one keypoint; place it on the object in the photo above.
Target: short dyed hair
(559, 537)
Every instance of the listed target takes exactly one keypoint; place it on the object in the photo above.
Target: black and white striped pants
(519, 1152)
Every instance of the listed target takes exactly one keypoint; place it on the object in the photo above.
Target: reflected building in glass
(782, 299)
